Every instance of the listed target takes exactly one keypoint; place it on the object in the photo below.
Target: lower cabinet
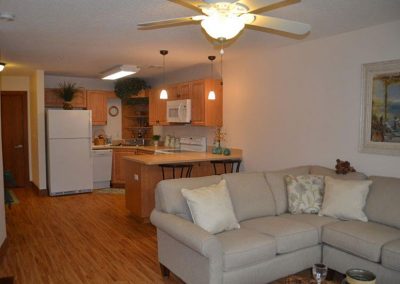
(118, 178)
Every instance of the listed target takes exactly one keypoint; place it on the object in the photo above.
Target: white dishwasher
(102, 164)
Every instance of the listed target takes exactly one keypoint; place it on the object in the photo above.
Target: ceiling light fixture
(164, 93)
(221, 26)
(120, 72)
(211, 94)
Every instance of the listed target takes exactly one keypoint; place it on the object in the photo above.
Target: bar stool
(231, 163)
(182, 167)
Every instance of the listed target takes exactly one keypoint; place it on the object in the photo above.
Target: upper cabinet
(52, 99)
(157, 108)
(97, 103)
(204, 112)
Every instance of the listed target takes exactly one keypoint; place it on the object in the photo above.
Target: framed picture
(380, 118)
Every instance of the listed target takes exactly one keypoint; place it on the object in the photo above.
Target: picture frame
(380, 115)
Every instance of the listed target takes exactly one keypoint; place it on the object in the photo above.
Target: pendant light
(164, 93)
(2, 64)
(211, 94)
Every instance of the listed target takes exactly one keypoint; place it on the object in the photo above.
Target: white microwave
(179, 111)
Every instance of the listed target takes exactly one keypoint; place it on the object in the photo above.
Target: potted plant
(128, 87)
(67, 91)
(156, 138)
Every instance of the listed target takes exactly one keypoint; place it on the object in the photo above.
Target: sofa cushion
(245, 247)
(289, 235)
(276, 181)
(383, 201)
(312, 219)
(169, 198)
(304, 193)
(345, 199)
(391, 255)
(323, 171)
(250, 194)
(363, 239)
(211, 207)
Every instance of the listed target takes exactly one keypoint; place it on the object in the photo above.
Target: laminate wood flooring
(87, 238)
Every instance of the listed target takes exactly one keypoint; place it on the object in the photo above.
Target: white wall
(51, 81)
(301, 104)
(114, 123)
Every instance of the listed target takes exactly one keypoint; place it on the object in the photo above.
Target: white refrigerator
(69, 143)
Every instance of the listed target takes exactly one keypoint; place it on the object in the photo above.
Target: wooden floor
(88, 238)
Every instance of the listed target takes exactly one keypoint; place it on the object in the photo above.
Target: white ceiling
(85, 37)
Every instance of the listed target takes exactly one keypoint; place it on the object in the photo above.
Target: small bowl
(360, 276)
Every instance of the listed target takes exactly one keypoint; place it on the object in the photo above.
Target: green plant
(126, 87)
(156, 137)
(67, 91)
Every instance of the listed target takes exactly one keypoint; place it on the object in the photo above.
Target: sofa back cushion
(276, 181)
(383, 201)
(169, 198)
(322, 171)
(250, 194)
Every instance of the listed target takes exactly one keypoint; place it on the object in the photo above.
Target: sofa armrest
(188, 233)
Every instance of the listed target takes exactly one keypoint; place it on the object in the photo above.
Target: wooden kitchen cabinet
(179, 91)
(52, 99)
(118, 169)
(157, 108)
(97, 103)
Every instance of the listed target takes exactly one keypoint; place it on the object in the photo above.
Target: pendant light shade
(211, 94)
(2, 66)
(164, 93)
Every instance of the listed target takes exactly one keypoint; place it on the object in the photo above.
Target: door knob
(18, 146)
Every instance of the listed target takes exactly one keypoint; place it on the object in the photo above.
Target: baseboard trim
(3, 249)
(40, 192)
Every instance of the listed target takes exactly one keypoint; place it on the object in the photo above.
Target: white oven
(179, 111)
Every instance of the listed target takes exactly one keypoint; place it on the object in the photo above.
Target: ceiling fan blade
(168, 22)
(195, 4)
(253, 5)
(280, 24)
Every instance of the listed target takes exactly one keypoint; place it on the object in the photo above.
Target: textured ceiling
(85, 37)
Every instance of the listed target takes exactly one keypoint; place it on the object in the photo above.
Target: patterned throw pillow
(305, 193)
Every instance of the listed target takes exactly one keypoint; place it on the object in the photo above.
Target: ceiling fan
(224, 19)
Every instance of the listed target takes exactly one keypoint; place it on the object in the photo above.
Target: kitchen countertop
(148, 148)
(185, 157)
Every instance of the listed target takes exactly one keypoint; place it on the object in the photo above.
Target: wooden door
(97, 103)
(198, 102)
(14, 131)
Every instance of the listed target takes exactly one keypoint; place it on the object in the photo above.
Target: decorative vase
(68, 106)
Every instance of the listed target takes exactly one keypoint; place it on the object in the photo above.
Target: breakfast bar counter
(143, 172)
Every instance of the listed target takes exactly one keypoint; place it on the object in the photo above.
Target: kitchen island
(142, 173)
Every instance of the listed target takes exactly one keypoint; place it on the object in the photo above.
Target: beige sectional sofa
(272, 243)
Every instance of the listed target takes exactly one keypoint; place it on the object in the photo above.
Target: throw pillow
(345, 199)
(211, 207)
(304, 193)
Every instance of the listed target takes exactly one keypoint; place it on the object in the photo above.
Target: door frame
(24, 95)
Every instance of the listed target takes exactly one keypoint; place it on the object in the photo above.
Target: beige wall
(38, 134)
(301, 104)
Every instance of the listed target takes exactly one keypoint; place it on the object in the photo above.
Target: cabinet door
(97, 103)
(157, 108)
(198, 102)
(118, 169)
(52, 99)
(173, 92)
(184, 91)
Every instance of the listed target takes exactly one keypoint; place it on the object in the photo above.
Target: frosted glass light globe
(164, 94)
(221, 26)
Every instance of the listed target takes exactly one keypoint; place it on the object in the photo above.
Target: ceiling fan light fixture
(120, 72)
(2, 66)
(222, 26)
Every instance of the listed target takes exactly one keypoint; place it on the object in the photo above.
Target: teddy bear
(343, 167)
